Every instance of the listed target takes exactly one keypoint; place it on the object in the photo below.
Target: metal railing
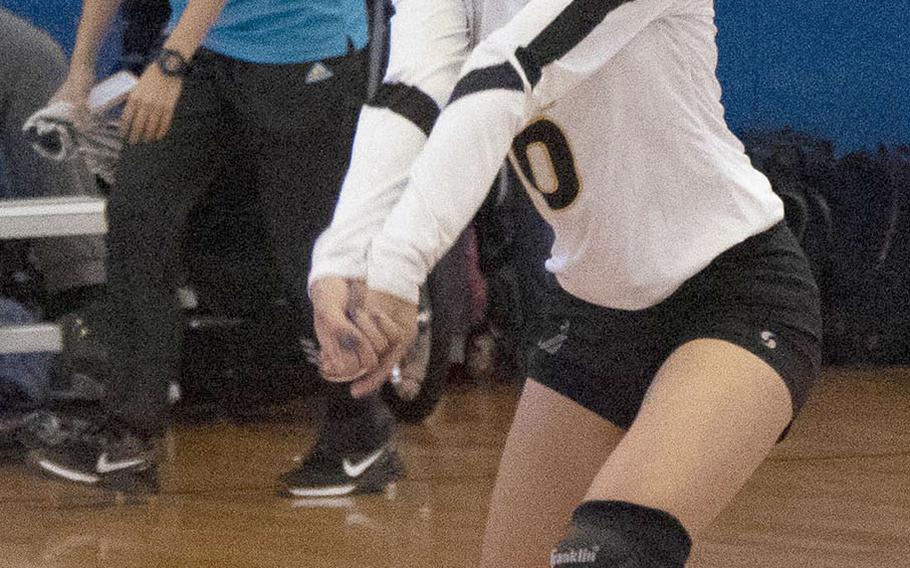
(60, 217)
(44, 218)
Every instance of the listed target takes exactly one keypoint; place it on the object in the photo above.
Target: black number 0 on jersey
(543, 160)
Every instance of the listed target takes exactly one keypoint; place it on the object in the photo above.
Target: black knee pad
(615, 534)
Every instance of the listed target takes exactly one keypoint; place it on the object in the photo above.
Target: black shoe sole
(12, 451)
(133, 482)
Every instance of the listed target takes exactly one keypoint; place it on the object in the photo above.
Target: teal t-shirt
(284, 31)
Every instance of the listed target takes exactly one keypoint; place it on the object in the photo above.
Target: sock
(352, 424)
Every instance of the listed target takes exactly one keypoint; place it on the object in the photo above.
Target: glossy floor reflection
(835, 494)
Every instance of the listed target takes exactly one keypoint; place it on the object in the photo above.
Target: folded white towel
(57, 135)
(52, 131)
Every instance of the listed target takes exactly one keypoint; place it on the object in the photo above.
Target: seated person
(72, 269)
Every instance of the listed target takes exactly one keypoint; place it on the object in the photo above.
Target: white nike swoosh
(67, 473)
(355, 470)
(105, 466)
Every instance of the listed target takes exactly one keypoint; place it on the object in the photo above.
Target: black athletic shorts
(759, 294)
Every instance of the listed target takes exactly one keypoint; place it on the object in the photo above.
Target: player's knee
(615, 534)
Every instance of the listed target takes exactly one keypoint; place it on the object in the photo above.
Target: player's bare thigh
(711, 416)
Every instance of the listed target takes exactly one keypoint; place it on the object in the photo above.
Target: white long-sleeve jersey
(610, 112)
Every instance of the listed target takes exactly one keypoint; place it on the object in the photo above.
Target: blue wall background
(59, 18)
(836, 68)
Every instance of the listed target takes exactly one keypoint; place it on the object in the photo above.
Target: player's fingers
(372, 381)
(164, 124)
(137, 127)
(339, 343)
(366, 324)
(152, 124)
(126, 118)
(400, 335)
(365, 387)
(395, 331)
(329, 297)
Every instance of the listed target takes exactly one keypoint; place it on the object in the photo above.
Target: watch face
(171, 64)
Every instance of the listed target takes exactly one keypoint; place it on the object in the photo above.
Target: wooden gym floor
(835, 494)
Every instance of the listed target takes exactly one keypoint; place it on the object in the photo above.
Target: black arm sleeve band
(410, 102)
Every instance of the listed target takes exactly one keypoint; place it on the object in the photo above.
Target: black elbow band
(502, 76)
(410, 102)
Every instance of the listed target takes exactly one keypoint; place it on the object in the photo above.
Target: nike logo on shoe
(105, 466)
(67, 473)
(355, 470)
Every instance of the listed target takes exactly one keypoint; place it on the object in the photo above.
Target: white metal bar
(52, 217)
(37, 338)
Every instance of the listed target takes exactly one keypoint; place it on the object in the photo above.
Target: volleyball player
(687, 329)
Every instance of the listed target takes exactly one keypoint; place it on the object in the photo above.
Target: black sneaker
(330, 473)
(106, 455)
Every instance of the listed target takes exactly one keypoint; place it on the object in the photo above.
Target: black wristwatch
(172, 63)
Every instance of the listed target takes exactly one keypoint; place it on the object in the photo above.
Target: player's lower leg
(553, 450)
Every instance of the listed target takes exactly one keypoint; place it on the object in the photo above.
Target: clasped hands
(363, 334)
